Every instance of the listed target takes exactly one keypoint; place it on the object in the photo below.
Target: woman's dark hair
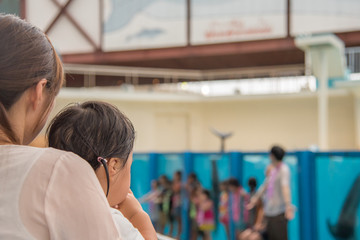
(26, 57)
(91, 130)
(277, 152)
(252, 183)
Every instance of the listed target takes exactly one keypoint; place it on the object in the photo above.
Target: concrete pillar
(323, 105)
(357, 116)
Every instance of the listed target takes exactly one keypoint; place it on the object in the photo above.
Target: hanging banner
(216, 21)
(139, 24)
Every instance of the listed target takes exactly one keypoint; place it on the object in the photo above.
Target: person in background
(239, 200)
(253, 212)
(192, 187)
(177, 188)
(104, 137)
(153, 198)
(276, 193)
(46, 193)
(166, 203)
(192, 182)
(224, 207)
(205, 214)
(256, 224)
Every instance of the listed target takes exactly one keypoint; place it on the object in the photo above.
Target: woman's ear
(38, 93)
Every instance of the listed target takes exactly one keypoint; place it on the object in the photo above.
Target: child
(224, 207)
(166, 202)
(239, 199)
(153, 198)
(205, 214)
(192, 211)
(177, 188)
(256, 216)
(103, 136)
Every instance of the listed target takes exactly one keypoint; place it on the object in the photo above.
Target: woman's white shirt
(51, 194)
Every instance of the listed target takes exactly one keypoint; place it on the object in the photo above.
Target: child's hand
(133, 211)
(130, 206)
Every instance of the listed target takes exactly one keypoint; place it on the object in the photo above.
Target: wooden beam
(62, 10)
(101, 23)
(188, 22)
(23, 9)
(212, 50)
(288, 19)
(78, 27)
(350, 39)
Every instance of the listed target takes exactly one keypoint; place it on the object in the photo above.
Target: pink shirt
(51, 194)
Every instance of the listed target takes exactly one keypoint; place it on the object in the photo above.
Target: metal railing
(352, 55)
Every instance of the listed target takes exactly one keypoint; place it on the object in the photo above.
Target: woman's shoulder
(53, 160)
(56, 155)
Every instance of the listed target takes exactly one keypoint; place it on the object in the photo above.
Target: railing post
(307, 195)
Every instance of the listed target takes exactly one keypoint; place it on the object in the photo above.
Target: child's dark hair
(192, 176)
(233, 182)
(179, 174)
(93, 129)
(252, 183)
(206, 193)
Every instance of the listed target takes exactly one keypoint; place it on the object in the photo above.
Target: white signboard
(215, 21)
(309, 16)
(139, 24)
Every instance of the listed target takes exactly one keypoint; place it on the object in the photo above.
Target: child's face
(202, 197)
(232, 188)
(120, 183)
(177, 177)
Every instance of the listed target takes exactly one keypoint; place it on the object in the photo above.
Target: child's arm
(260, 217)
(133, 211)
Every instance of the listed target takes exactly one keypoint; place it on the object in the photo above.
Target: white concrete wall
(257, 122)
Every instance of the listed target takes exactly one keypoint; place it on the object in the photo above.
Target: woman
(44, 193)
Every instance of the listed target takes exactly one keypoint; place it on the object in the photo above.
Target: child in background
(256, 216)
(192, 186)
(194, 199)
(239, 200)
(166, 203)
(252, 213)
(176, 203)
(153, 198)
(104, 137)
(224, 207)
(192, 183)
(205, 214)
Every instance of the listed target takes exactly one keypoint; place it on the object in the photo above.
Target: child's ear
(114, 166)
